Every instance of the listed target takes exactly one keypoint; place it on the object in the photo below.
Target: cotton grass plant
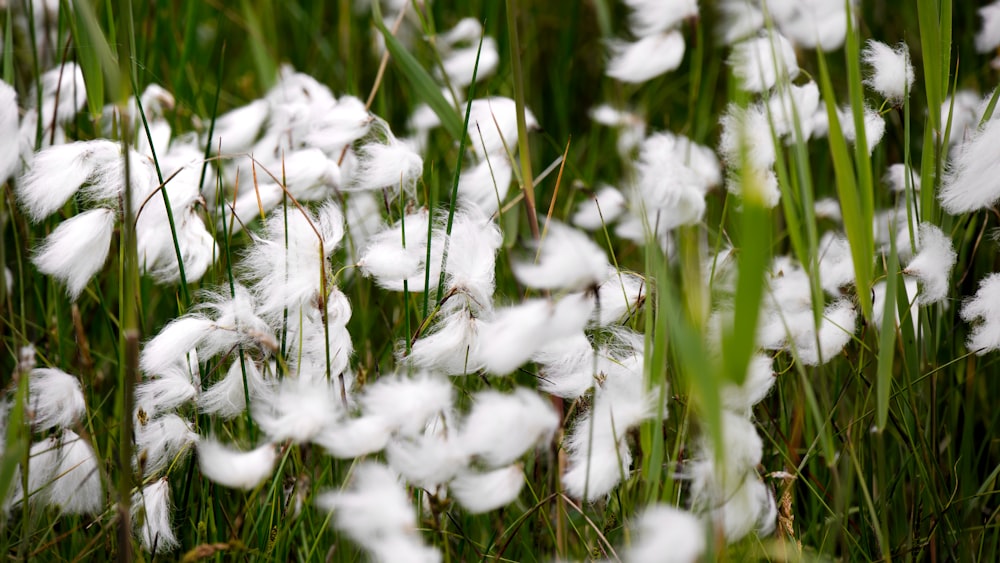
(401, 281)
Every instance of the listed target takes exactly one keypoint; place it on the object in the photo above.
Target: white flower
(162, 353)
(485, 184)
(407, 404)
(567, 259)
(55, 399)
(428, 460)
(647, 58)
(62, 472)
(227, 397)
(471, 255)
(618, 297)
(762, 62)
(237, 129)
(873, 122)
(159, 441)
(447, 347)
(297, 409)
(151, 515)
(502, 427)
(664, 534)
(568, 368)
(483, 492)
(836, 329)
(814, 24)
(760, 378)
(391, 164)
(77, 249)
(790, 104)
(392, 258)
(836, 265)
(984, 305)
(493, 126)
(892, 72)
(933, 264)
(747, 137)
(972, 181)
(233, 468)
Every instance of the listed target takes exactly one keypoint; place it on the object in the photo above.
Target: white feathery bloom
(764, 61)
(159, 441)
(448, 346)
(233, 468)
(790, 104)
(493, 126)
(673, 175)
(758, 185)
(895, 178)
(984, 305)
(393, 259)
(319, 350)
(619, 296)
(428, 460)
(813, 24)
(459, 64)
(738, 20)
(375, 512)
(340, 125)
(162, 353)
(151, 515)
(309, 174)
(748, 506)
(502, 427)
(465, 31)
(879, 291)
(167, 392)
(568, 367)
(655, 16)
(355, 437)
(486, 184)
(836, 329)
(747, 137)
(55, 399)
(43, 460)
(237, 130)
(647, 58)
(933, 264)
(471, 260)
(58, 172)
(64, 92)
(828, 208)
(664, 534)
(9, 150)
(76, 487)
(988, 36)
(391, 164)
(227, 397)
(836, 265)
(288, 272)
(298, 409)
(567, 259)
(483, 492)
(77, 249)
(364, 219)
(971, 182)
(892, 72)
(235, 323)
(407, 404)
(963, 110)
(759, 380)
(599, 209)
(874, 126)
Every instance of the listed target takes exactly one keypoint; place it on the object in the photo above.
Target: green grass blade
(887, 342)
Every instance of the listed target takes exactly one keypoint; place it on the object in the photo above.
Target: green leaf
(887, 340)
(94, 55)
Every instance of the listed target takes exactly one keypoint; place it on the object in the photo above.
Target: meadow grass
(887, 451)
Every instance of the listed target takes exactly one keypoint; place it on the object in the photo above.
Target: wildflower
(971, 180)
(297, 409)
(493, 126)
(567, 259)
(391, 164)
(62, 472)
(407, 403)
(159, 441)
(77, 249)
(501, 427)
(746, 137)
(828, 208)
(933, 264)
(356, 437)
(471, 255)
(985, 305)
(55, 399)
(236, 130)
(428, 460)
(764, 61)
(836, 265)
(647, 58)
(233, 468)
(490, 490)
(485, 185)
(394, 259)
(738, 20)
(795, 110)
(446, 348)
(664, 534)
(836, 329)
(873, 122)
(760, 378)
(161, 354)
(58, 172)
(228, 398)
(151, 514)
(892, 72)
(814, 24)
(619, 296)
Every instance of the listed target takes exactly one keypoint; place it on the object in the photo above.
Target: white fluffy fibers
(298, 409)
(76, 487)
(892, 72)
(233, 468)
(933, 264)
(77, 249)
(502, 427)
(988, 37)
(973, 178)
(654, 16)
(159, 441)
(763, 61)
(483, 492)
(59, 171)
(647, 58)
(567, 259)
(55, 399)
(984, 305)
(9, 155)
(664, 534)
(407, 404)
(151, 515)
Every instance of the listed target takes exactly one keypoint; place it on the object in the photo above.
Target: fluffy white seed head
(971, 182)
(158, 442)
(355, 437)
(407, 404)
(664, 534)
(501, 427)
(233, 468)
(602, 208)
(762, 62)
(896, 178)
(298, 409)
(9, 150)
(390, 164)
(873, 122)
(428, 460)
(55, 399)
(892, 72)
(984, 305)
(647, 58)
(151, 516)
(482, 492)
(988, 36)
(567, 259)
(493, 126)
(227, 397)
(656, 16)
(77, 249)
(933, 264)
(76, 487)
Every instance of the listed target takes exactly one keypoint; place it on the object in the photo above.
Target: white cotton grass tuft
(375, 512)
(151, 517)
(648, 17)
(485, 185)
(764, 61)
(235, 469)
(896, 178)
(77, 249)
(566, 259)
(892, 72)
(932, 264)
(501, 427)
(173, 342)
(459, 64)
(471, 254)
(447, 346)
(158, 442)
(391, 164)
(297, 409)
(165, 392)
(988, 36)
(407, 404)
(62, 472)
(55, 399)
(426, 461)
(646, 58)
(619, 297)
(9, 155)
(873, 122)
(747, 138)
(227, 397)
(483, 492)
(836, 329)
(355, 437)
(58, 172)
(971, 182)
(493, 126)
(665, 534)
(760, 378)
(394, 259)
(984, 306)
(600, 209)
